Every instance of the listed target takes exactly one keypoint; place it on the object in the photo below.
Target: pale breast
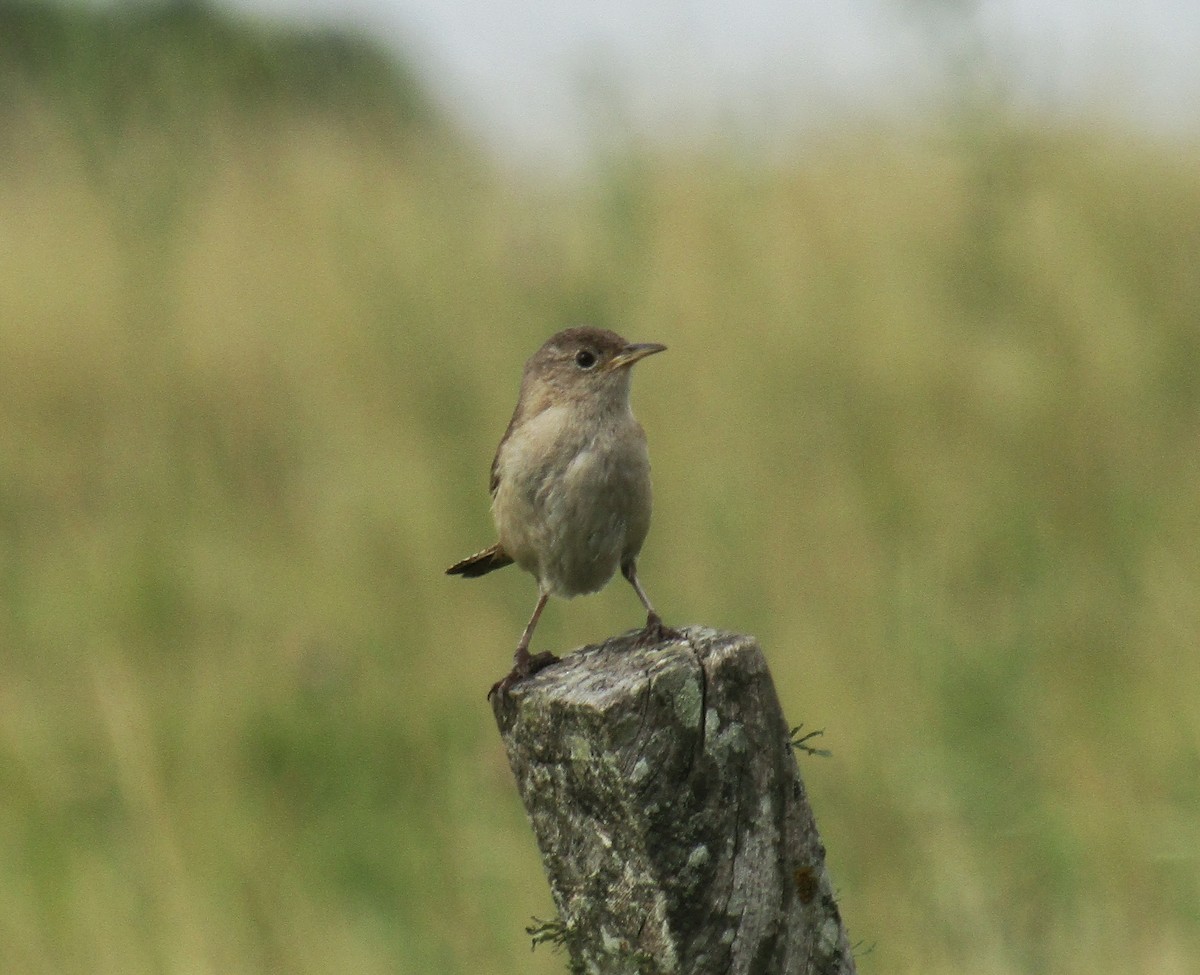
(572, 503)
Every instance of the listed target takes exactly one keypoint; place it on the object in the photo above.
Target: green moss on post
(672, 821)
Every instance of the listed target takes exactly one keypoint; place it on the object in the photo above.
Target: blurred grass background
(928, 427)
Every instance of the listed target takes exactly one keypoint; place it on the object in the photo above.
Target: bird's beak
(632, 353)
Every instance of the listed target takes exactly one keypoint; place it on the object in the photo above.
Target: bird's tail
(481, 563)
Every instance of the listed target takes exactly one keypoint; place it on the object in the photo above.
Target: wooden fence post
(670, 813)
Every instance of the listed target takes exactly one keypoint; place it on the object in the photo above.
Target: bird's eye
(585, 358)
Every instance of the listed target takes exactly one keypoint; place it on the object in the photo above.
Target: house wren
(571, 480)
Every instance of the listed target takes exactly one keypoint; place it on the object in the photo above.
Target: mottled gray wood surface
(668, 806)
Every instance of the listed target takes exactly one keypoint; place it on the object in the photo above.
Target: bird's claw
(656, 631)
(526, 665)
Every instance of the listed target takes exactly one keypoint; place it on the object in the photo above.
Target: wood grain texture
(669, 810)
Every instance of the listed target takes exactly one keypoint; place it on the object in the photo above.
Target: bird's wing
(494, 481)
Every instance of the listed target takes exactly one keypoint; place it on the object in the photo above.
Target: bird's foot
(656, 631)
(525, 665)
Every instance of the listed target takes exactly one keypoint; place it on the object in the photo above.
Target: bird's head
(584, 364)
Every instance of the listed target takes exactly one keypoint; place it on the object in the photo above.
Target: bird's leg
(655, 631)
(525, 663)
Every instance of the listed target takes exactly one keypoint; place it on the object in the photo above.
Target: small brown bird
(571, 480)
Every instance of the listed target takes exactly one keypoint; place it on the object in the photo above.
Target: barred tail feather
(481, 563)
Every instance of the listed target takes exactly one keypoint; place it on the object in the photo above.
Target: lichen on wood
(669, 810)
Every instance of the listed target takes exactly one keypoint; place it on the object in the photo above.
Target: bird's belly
(586, 523)
(573, 525)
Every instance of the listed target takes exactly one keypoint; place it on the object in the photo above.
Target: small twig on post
(801, 742)
(673, 823)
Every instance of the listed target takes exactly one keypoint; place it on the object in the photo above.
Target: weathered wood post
(668, 806)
